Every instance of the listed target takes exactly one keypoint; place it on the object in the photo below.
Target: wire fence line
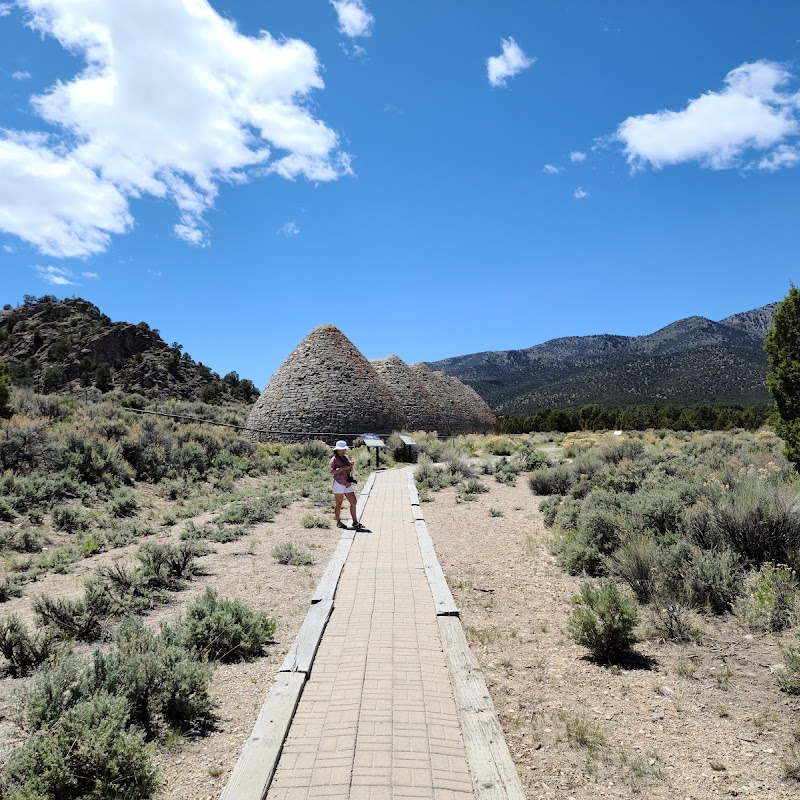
(320, 434)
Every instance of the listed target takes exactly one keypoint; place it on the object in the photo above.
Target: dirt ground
(695, 721)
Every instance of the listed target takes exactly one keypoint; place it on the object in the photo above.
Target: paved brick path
(377, 718)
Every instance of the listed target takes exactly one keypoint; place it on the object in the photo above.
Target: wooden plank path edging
(442, 596)
(493, 772)
(326, 589)
(301, 654)
(259, 757)
(258, 760)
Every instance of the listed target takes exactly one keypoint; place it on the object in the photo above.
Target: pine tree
(783, 374)
(5, 392)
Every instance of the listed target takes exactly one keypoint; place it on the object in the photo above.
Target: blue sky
(434, 177)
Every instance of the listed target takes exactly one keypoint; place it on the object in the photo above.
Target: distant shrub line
(639, 418)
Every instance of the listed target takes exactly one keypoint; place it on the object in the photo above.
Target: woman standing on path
(340, 468)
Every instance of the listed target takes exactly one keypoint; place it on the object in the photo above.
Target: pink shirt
(340, 470)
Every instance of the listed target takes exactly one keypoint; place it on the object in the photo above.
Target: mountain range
(691, 361)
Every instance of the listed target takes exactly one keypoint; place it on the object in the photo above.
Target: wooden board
(442, 596)
(368, 485)
(326, 589)
(494, 775)
(301, 655)
(258, 760)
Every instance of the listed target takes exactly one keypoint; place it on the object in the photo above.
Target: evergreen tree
(783, 373)
(5, 392)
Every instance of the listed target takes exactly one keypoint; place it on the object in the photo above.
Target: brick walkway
(377, 718)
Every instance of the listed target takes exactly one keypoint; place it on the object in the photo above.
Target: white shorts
(339, 488)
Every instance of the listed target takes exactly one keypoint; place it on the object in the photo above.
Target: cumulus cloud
(20, 76)
(755, 110)
(580, 194)
(354, 19)
(551, 169)
(508, 64)
(576, 155)
(170, 110)
(5, 9)
(91, 276)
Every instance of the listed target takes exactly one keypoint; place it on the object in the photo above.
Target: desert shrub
(636, 561)
(224, 630)
(253, 510)
(549, 508)
(23, 651)
(456, 464)
(314, 451)
(789, 677)
(94, 461)
(771, 599)
(7, 513)
(671, 619)
(84, 618)
(758, 521)
(555, 480)
(124, 504)
(713, 579)
(89, 754)
(214, 532)
(25, 446)
(288, 553)
(628, 476)
(499, 446)
(474, 486)
(27, 540)
(9, 588)
(658, 510)
(314, 521)
(529, 459)
(576, 557)
(599, 524)
(429, 445)
(431, 477)
(603, 620)
(169, 566)
(163, 684)
(616, 452)
(71, 518)
(566, 518)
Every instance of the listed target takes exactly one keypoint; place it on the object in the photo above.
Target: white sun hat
(341, 445)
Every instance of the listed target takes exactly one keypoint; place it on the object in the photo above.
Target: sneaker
(341, 525)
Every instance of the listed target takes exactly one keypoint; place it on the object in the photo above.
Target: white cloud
(20, 76)
(754, 111)
(54, 201)
(782, 156)
(580, 194)
(551, 169)
(354, 19)
(90, 275)
(55, 276)
(155, 273)
(171, 109)
(5, 9)
(289, 229)
(576, 155)
(508, 64)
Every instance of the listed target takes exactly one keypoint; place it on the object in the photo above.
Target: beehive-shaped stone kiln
(327, 389)
(324, 386)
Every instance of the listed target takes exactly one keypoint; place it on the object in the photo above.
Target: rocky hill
(58, 345)
(693, 360)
